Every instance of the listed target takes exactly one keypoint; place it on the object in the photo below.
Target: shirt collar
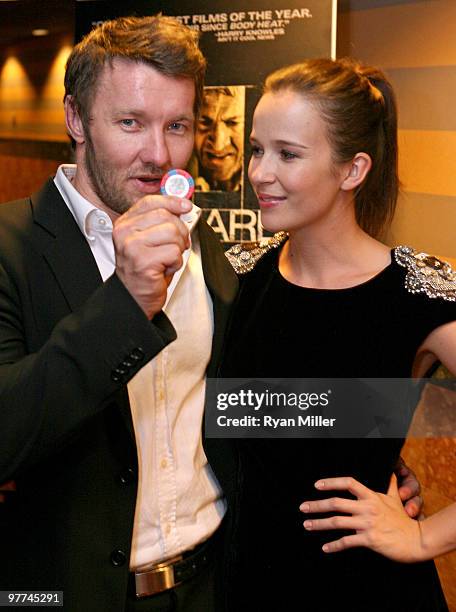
(82, 210)
(192, 217)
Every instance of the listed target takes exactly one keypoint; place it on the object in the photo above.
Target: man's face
(141, 125)
(219, 138)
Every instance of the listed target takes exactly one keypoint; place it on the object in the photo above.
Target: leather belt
(163, 576)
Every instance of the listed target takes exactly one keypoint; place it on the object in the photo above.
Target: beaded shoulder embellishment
(243, 257)
(427, 274)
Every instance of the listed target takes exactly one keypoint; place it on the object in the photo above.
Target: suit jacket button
(118, 558)
(127, 476)
(118, 375)
(137, 354)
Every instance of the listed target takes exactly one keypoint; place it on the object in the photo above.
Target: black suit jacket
(68, 345)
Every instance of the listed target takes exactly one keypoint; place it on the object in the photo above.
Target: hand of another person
(409, 489)
(379, 520)
(149, 240)
(6, 486)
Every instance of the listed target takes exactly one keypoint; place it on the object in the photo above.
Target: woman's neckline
(375, 277)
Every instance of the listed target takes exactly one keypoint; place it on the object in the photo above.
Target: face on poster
(219, 139)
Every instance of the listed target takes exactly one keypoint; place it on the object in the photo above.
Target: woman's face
(292, 169)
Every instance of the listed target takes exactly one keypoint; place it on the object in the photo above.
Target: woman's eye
(287, 155)
(255, 150)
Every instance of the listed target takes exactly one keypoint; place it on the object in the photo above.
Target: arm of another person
(409, 489)
(379, 520)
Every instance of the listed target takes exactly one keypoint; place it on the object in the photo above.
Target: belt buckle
(156, 579)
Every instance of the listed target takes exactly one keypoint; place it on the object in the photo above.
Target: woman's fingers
(333, 504)
(350, 541)
(345, 483)
(335, 522)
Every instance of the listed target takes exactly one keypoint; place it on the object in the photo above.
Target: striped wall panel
(427, 162)
(426, 96)
(422, 221)
(412, 34)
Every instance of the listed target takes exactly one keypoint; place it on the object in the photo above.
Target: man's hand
(149, 240)
(409, 490)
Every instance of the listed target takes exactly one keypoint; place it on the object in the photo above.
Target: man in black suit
(113, 305)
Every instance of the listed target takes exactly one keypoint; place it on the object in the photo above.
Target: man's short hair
(160, 42)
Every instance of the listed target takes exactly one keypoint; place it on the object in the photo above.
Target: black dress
(372, 330)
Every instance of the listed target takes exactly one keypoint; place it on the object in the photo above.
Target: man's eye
(177, 127)
(128, 122)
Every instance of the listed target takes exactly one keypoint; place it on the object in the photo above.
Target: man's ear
(73, 121)
(358, 169)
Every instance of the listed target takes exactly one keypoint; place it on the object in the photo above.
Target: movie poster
(243, 41)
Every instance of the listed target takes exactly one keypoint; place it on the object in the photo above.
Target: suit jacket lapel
(70, 259)
(64, 247)
(222, 283)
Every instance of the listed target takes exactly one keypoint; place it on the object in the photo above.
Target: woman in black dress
(327, 299)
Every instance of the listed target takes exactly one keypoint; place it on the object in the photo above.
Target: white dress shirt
(179, 501)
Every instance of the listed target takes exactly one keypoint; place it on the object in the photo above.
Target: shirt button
(118, 558)
(102, 221)
(127, 476)
(164, 463)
